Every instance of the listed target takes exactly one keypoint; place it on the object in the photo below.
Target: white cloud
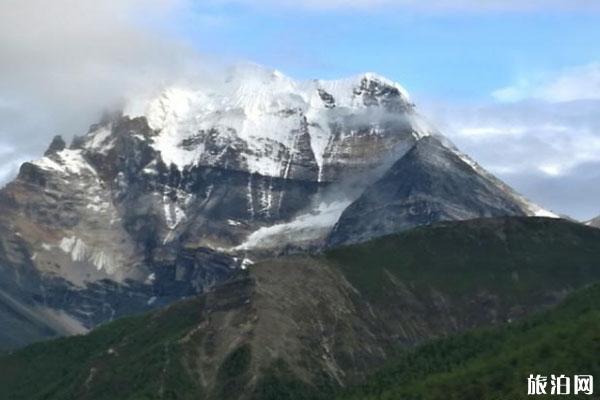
(543, 136)
(483, 131)
(548, 151)
(571, 84)
(553, 154)
(551, 169)
(65, 61)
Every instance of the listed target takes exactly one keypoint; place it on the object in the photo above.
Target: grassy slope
(495, 363)
(56, 369)
(511, 257)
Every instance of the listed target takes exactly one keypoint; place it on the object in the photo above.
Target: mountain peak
(375, 77)
(365, 90)
(274, 121)
(57, 144)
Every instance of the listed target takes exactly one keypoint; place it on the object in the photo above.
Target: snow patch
(150, 171)
(246, 262)
(75, 247)
(309, 226)
(150, 279)
(79, 251)
(96, 204)
(102, 261)
(67, 161)
(99, 140)
(174, 214)
(538, 211)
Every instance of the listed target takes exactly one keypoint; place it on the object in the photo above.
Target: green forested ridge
(484, 364)
(495, 363)
(513, 257)
(125, 359)
(155, 356)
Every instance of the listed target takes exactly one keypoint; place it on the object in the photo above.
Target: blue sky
(437, 54)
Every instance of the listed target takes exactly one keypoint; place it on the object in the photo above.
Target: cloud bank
(65, 61)
(571, 84)
(543, 138)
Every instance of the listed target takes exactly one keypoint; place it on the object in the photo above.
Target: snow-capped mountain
(263, 122)
(180, 190)
(595, 222)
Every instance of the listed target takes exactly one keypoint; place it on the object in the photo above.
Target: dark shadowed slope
(431, 183)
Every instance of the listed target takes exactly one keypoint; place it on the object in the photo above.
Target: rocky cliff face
(432, 182)
(174, 196)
